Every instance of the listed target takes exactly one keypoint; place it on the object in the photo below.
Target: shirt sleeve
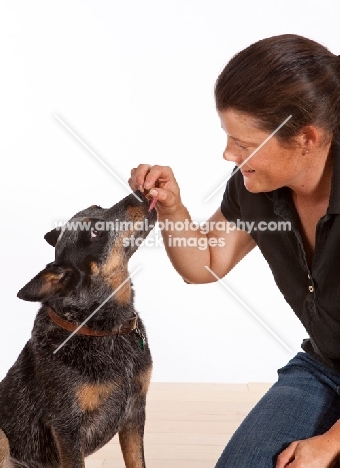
(230, 206)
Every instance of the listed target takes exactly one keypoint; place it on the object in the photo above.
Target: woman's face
(273, 166)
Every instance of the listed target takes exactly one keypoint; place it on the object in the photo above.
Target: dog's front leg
(131, 439)
(69, 450)
(131, 443)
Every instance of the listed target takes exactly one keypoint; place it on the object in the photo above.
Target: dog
(74, 385)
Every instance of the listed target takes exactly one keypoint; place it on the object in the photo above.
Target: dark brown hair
(281, 76)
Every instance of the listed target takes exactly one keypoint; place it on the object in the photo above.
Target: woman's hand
(317, 452)
(157, 182)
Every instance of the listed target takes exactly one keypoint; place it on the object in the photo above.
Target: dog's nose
(140, 195)
(138, 198)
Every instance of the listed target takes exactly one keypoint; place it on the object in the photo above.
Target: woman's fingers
(157, 182)
(138, 175)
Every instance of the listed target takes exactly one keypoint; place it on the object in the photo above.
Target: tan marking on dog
(114, 260)
(123, 295)
(50, 280)
(132, 448)
(136, 213)
(94, 268)
(143, 379)
(91, 397)
(52, 277)
(4, 450)
(115, 273)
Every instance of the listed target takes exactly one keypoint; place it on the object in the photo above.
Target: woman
(293, 177)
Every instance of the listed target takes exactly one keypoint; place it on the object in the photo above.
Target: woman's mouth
(247, 172)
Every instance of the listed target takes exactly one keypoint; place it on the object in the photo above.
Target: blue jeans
(304, 402)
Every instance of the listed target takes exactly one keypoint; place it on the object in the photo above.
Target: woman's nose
(229, 155)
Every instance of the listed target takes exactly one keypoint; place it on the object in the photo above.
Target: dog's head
(91, 253)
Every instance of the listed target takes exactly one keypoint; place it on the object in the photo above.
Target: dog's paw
(4, 449)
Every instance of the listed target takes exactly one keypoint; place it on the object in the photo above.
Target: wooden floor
(187, 425)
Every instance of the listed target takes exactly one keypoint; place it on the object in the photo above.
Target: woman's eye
(94, 233)
(240, 146)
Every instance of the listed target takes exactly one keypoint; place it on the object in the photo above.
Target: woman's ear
(313, 137)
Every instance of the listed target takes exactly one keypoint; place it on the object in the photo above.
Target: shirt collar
(334, 199)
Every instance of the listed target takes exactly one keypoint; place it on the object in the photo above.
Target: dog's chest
(102, 423)
(105, 407)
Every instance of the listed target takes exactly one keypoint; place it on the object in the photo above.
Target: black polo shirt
(313, 293)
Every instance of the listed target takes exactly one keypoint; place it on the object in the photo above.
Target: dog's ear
(52, 236)
(53, 281)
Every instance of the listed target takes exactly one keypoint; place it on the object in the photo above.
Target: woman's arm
(219, 245)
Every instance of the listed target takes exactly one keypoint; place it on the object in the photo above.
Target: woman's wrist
(334, 431)
(173, 214)
(332, 438)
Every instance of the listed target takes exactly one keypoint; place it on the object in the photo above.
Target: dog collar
(123, 329)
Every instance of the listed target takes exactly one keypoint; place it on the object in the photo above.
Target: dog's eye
(94, 233)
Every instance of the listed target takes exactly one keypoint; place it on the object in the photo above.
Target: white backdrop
(135, 81)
